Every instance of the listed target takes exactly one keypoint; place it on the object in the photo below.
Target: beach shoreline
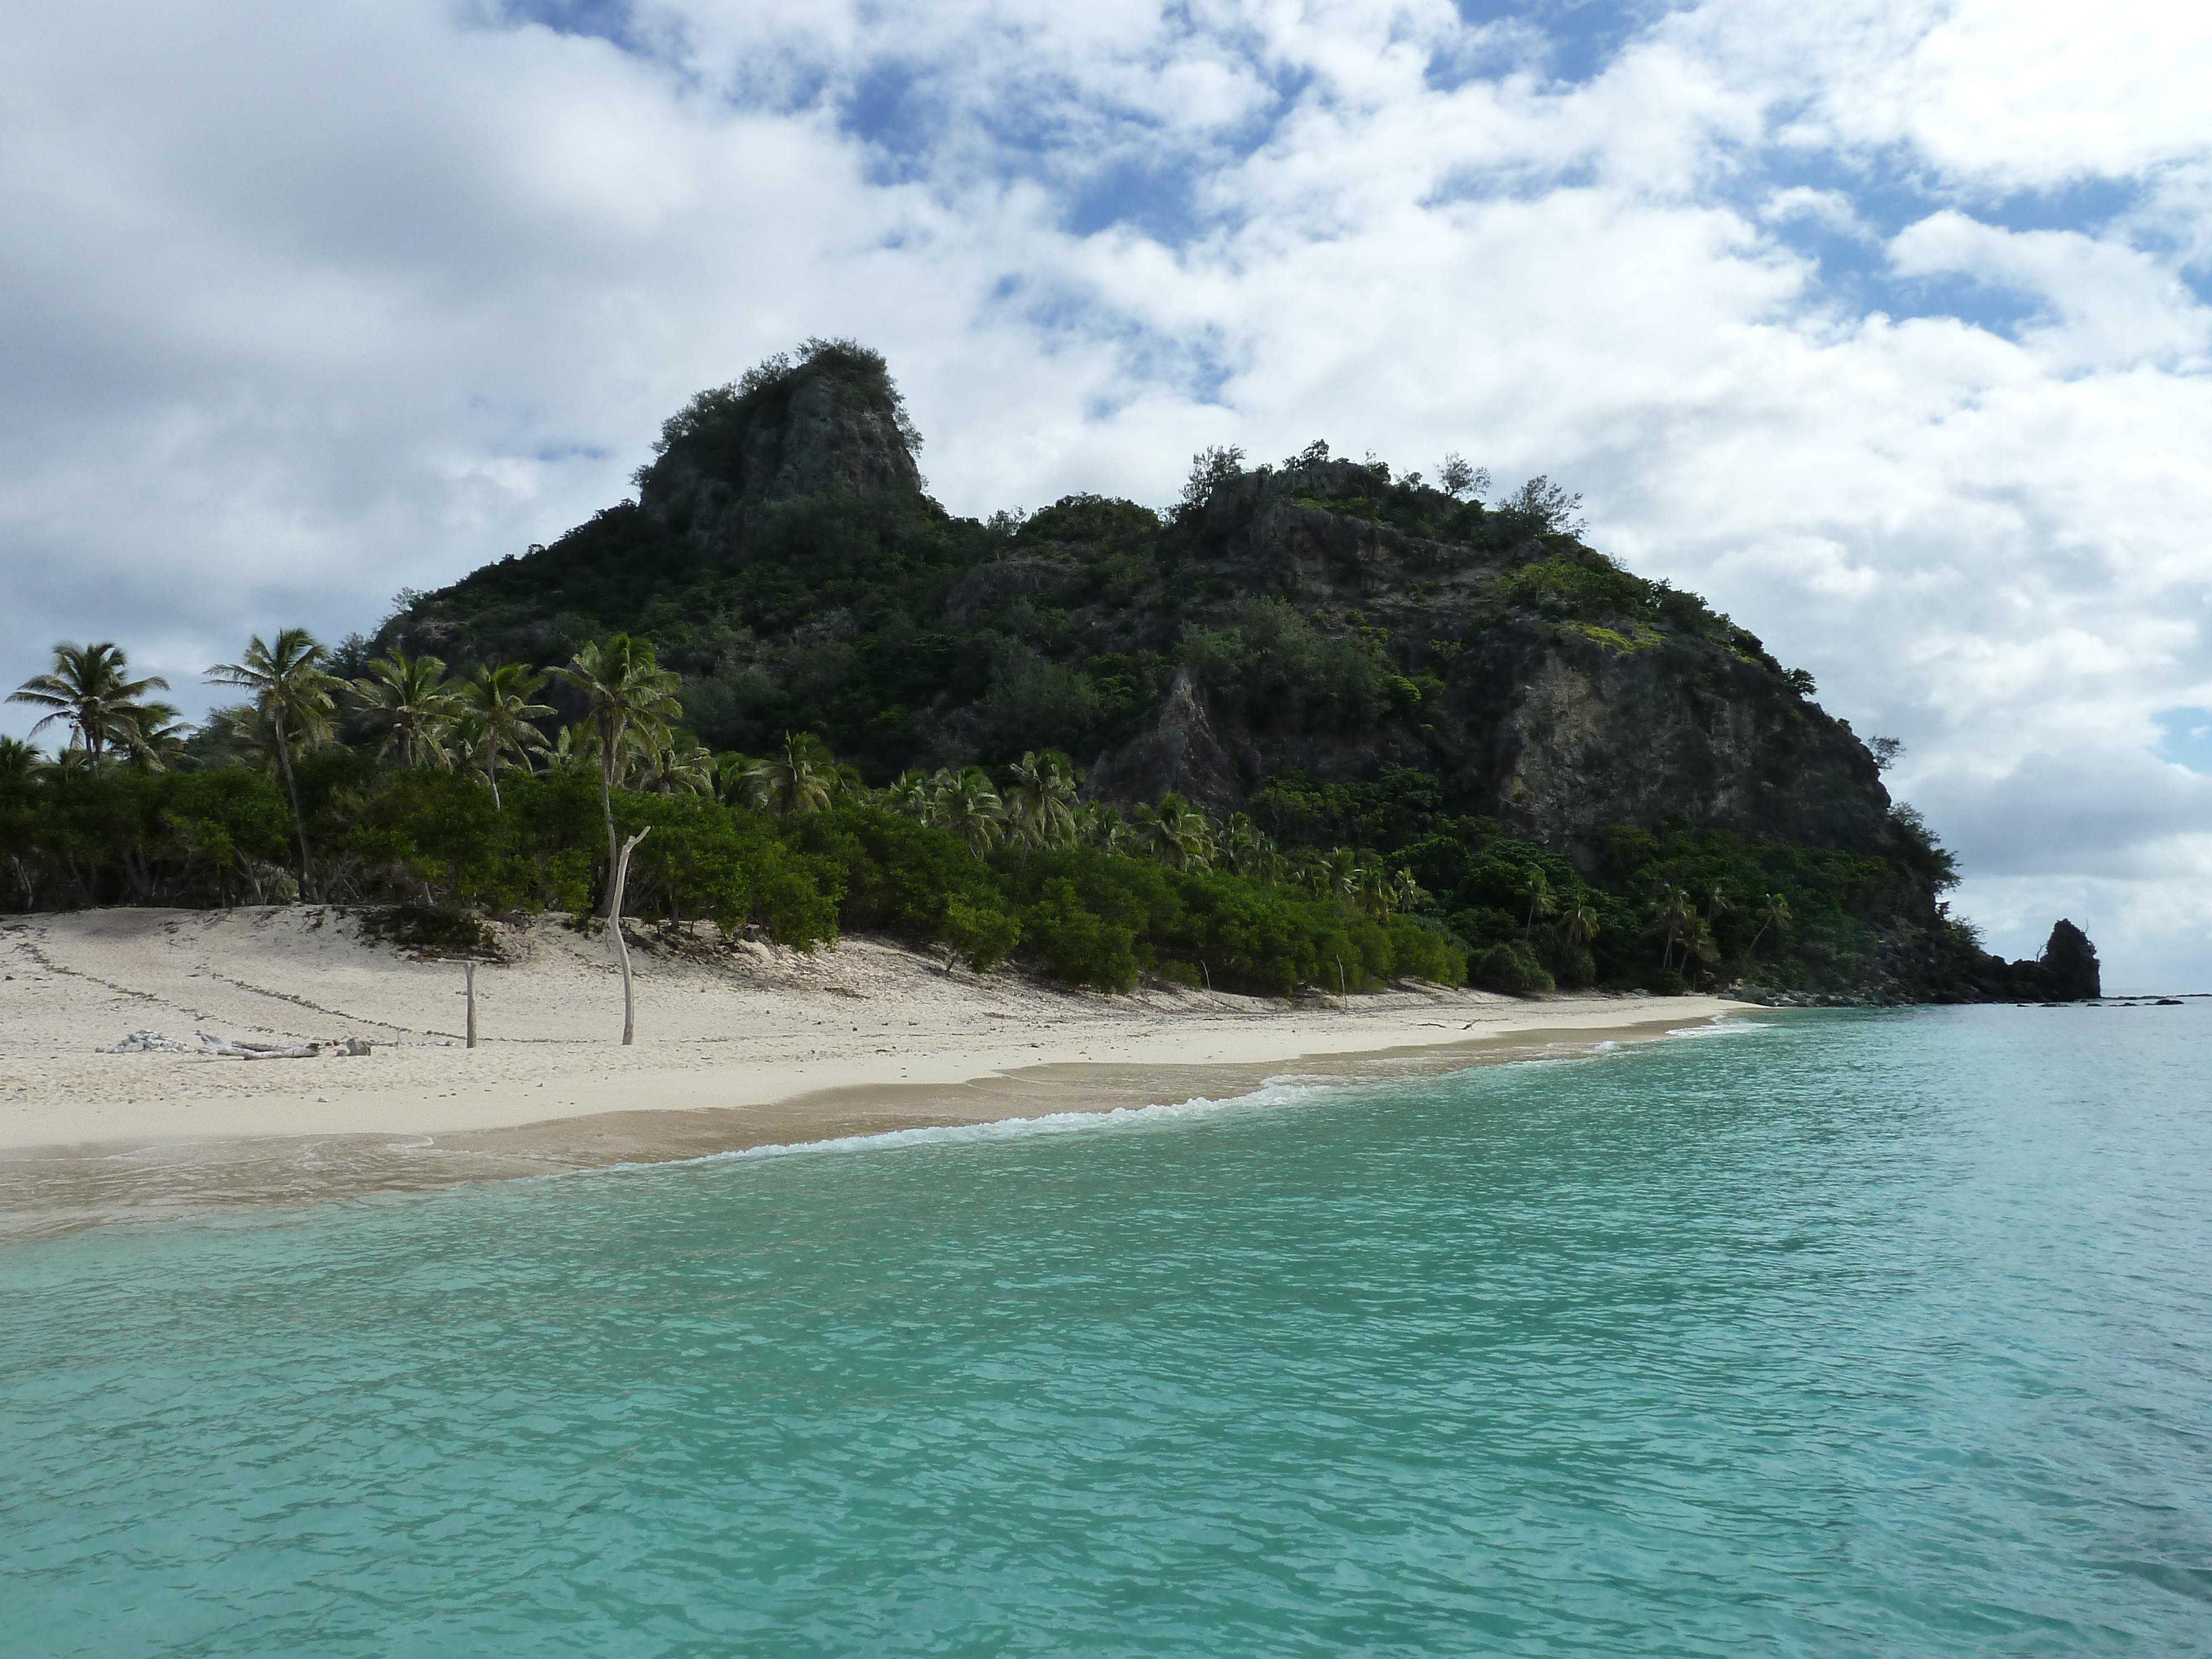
(741, 1045)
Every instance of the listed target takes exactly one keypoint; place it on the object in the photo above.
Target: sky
(1886, 324)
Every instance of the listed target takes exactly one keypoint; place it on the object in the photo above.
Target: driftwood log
(224, 1049)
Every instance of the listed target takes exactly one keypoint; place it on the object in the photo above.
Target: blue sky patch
(2185, 739)
(1582, 37)
(601, 20)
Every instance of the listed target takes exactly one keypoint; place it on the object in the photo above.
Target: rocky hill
(1338, 650)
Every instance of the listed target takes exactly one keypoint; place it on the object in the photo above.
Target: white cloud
(2032, 95)
(2108, 306)
(312, 303)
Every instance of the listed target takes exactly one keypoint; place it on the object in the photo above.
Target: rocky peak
(2070, 970)
(829, 419)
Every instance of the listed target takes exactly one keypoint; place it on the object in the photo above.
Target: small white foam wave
(1275, 1092)
(1721, 1027)
(1283, 1089)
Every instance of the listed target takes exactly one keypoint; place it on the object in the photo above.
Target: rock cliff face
(1559, 714)
(1182, 754)
(1935, 967)
(829, 424)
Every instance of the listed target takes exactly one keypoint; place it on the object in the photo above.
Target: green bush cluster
(1484, 885)
(432, 843)
(1093, 918)
(1279, 664)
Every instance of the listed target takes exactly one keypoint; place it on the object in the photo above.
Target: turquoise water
(1857, 1334)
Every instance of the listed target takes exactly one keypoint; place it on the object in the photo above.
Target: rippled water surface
(1879, 1334)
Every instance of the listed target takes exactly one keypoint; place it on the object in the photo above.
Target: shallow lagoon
(1863, 1332)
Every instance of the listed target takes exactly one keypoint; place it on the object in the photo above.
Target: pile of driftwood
(223, 1049)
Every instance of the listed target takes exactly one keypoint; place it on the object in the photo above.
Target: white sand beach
(739, 1043)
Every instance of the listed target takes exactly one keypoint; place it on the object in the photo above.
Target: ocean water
(1882, 1333)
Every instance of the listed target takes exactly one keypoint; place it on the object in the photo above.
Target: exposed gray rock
(1554, 728)
(991, 585)
(1180, 753)
(818, 432)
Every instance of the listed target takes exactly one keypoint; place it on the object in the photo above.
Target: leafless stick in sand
(622, 946)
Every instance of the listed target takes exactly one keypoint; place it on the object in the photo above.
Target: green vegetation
(1664, 908)
(849, 710)
(1320, 883)
(798, 849)
(89, 690)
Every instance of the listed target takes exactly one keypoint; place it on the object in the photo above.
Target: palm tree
(1580, 920)
(463, 737)
(497, 697)
(1175, 833)
(157, 737)
(1373, 886)
(800, 777)
(1537, 890)
(411, 698)
(687, 770)
(1040, 804)
(1334, 874)
(1717, 901)
(1404, 891)
(1698, 942)
(242, 732)
(1250, 851)
(1773, 912)
(910, 795)
(967, 806)
(633, 705)
(1098, 824)
(1671, 917)
(574, 745)
(90, 689)
(292, 694)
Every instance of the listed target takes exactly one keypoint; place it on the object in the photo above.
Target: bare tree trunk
(469, 973)
(491, 771)
(621, 945)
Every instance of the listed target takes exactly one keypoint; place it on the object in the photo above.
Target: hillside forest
(1320, 725)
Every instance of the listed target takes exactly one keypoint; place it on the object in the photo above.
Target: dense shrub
(1511, 967)
(1279, 663)
(1073, 942)
(980, 934)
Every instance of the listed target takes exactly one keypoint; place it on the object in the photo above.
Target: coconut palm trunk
(293, 692)
(299, 817)
(614, 855)
(633, 704)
